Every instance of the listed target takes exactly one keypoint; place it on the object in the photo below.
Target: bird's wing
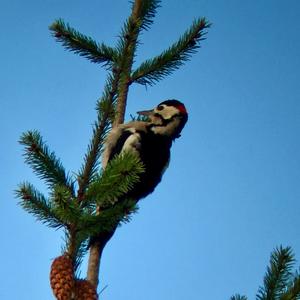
(125, 137)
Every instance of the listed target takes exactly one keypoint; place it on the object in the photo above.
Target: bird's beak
(146, 112)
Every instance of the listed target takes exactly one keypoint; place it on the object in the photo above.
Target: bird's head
(167, 118)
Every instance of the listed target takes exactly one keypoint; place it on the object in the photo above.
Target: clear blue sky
(232, 192)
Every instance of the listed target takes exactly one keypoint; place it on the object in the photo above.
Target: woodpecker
(150, 140)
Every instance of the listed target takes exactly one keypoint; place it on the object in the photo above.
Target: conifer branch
(85, 46)
(95, 224)
(119, 176)
(76, 247)
(153, 70)
(43, 162)
(278, 274)
(238, 297)
(293, 290)
(105, 110)
(91, 159)
(36, 204)
(145, 11)
(65, 207)
(126, 48)
(279, 281)
(100, 204)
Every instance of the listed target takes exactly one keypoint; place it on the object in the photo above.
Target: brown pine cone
(61, 277)
(84, 290)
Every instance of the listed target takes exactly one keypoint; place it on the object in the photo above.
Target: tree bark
(95, 257)
(98, 245)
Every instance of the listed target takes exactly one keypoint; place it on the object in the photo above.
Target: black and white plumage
(150, 140)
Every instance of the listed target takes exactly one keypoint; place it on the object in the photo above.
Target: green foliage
(153, 70)
(278, 274)
(61, 196)
(90, 166)
(238, 297)
(65, 206)
(147, 12)
(293, 289)
(138, 118)
(105, 109)
(119, 177)
(100, 204)
(105, 105)
(78, 244)
(280, 282)
(80, 44)
(42, 161)
(36, 204)
(79, 218)
(126, 46)
(107, 219)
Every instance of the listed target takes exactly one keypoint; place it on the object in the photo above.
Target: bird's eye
(160, 107)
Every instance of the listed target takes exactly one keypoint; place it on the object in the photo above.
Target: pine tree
(280, 282)
(76, 203)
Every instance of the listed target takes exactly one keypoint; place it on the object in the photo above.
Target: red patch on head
(181, 108)
(175, 103)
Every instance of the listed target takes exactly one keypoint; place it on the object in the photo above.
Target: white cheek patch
(168, 112)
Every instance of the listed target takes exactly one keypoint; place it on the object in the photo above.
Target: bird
(150, 140)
